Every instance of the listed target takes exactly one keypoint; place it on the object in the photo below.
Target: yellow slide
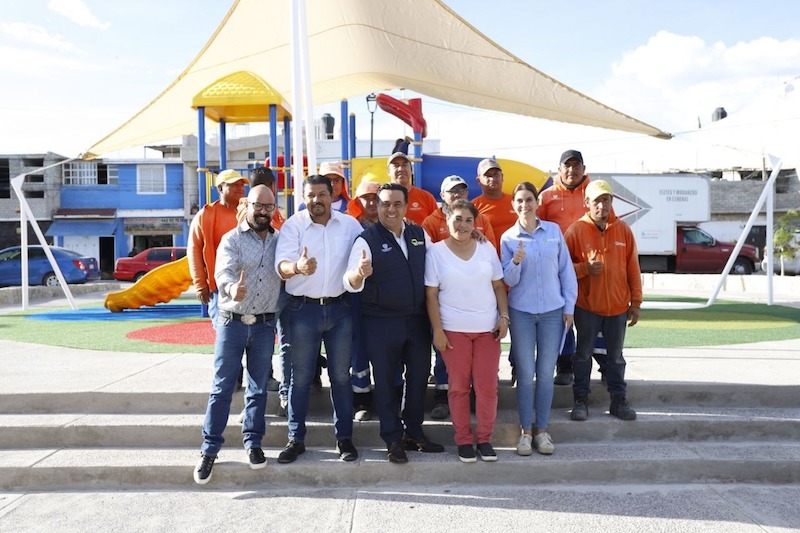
(160, 285)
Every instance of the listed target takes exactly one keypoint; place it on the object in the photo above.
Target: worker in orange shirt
(206, 231)
(493, 203)
(421, 203)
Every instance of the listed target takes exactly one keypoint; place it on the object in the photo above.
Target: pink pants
(473, 360)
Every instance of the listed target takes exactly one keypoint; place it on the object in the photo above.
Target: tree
(786, 237)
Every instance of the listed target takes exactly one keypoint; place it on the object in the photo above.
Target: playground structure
(160, 285)
(244, 97)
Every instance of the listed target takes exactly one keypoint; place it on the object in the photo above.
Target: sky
(74, 70)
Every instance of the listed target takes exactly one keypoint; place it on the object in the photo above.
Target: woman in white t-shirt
(468, 308)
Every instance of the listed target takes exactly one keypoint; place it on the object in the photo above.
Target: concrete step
(688, 424)
(640, 394)
(56, 469)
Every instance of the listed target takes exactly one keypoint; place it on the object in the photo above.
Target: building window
(151, 179)
(80, 173)
(90, 173)
(5, 179)
(107, 174)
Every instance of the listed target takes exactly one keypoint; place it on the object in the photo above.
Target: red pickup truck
(700, 253)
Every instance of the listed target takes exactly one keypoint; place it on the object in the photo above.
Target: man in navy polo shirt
(387, 266)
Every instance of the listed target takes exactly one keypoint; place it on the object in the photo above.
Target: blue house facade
(111, 209)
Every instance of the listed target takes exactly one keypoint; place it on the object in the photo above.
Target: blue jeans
(233, 339)
(308, 326)
(613, 329)
(536, 339)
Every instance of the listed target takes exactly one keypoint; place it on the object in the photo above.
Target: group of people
(382, 278)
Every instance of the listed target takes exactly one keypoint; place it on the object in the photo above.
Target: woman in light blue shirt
(542, 293)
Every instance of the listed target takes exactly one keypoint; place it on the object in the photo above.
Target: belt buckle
(248, 320)
(322, 300)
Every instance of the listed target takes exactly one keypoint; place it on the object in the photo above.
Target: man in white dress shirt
(311, 256)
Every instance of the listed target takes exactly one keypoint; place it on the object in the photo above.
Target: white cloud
(673, 79)
(33, 34)
(78, 12)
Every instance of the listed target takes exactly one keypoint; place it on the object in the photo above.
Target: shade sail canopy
(362, 46)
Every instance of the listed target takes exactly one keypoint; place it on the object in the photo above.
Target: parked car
(133, 268)
(75, 267)
(790, 265)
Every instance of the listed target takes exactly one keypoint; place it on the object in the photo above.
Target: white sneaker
(544, 443)
(524, 445)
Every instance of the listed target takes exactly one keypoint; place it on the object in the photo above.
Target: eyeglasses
(458, 190)
(257, 207)
(336, 180)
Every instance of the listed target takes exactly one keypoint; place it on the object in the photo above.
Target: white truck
(663, 210)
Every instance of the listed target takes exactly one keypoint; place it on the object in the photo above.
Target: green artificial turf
(725, 322)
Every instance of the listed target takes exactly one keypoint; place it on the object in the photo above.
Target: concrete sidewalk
(470, 506)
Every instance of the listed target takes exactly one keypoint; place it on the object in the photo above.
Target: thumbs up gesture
(239, 290)
(306, 265)
(595, 263)
(365, 265)
(519, 255)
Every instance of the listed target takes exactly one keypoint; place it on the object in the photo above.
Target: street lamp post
(372, 106)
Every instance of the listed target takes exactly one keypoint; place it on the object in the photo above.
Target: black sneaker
(291, 451)
(580, 409)
(257, 459)
(202, 472)
(466, 453)
(396, 454)
(563, 378)
(486, 452)
(621, 409)
(421, 444)
(346, 450)
(440, 411)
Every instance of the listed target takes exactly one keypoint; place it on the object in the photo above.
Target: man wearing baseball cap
(206, 231)
(334, 171)
(606, 261)
(421, 203)
(493, 203)
(364, 207)
(454, 188)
